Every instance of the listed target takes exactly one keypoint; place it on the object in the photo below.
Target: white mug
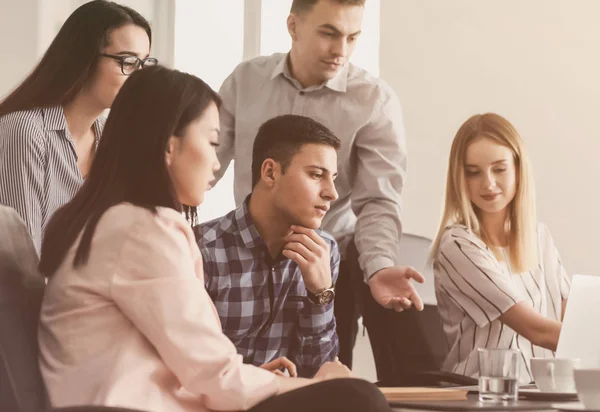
(587, 382)
(554, 374)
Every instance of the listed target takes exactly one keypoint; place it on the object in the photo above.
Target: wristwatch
(322, 298)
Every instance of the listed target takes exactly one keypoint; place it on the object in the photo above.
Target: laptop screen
(580, 332)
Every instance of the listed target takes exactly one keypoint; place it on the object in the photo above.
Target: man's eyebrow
(322, 168)
(331, 27)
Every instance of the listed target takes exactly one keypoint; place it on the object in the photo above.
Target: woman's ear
(171, 146)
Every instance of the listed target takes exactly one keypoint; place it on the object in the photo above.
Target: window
(209, 43)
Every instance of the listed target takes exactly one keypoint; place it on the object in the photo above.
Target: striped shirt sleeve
(22, 170)
(565, 280)
(467, 271)
(555, 268)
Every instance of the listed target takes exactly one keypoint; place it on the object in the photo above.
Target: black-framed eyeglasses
(130, 64)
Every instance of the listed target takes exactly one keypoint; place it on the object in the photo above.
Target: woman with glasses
(126, 320)
(51, 123)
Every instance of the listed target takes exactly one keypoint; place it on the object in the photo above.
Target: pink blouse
(136, 328)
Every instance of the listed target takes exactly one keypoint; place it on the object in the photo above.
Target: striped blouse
(474, 289)
(38, 165)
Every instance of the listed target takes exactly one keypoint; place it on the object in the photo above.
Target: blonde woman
(499, 280)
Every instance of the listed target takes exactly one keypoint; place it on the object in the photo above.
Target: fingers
(310, 233)
(306, 241)
(308, 238)
(270, 366)
(281, 363)
(412, 273)
(417, 301)
(295, 256)
(300, 249)
(400, 304)
(396, 307)
(289, 365)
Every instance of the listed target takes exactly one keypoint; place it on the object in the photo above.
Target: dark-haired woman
(126, 319)
(51, 123)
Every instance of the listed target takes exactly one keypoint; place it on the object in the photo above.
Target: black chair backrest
(21, 291)
(429, 345)
(420, 344)
(423, 344)
(434, 347)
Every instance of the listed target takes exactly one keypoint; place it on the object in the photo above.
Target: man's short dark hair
(280, 138)
(302, 6)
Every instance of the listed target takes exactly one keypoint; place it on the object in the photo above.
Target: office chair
(423, 343)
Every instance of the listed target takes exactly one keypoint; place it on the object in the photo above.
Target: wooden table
(472, 403)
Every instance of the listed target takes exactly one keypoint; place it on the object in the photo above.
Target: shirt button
(301, 93)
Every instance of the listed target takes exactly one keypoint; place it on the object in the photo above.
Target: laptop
(580, 332)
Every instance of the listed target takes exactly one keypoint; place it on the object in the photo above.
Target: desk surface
(472, 404)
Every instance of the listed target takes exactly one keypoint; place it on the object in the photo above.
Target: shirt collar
(246, 227)
(249, 232)
(338, 83)
(99, 128)
(54, 118)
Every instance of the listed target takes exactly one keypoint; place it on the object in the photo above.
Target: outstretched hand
(392, 288)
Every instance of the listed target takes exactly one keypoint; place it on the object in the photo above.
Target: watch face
(326, 297)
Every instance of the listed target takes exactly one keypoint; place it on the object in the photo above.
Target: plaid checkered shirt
(262, 302)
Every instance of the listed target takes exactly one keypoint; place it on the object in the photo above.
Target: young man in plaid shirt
(269, 270)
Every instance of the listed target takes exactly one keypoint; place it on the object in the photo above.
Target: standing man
(316, 80)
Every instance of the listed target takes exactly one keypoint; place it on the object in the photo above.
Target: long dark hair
(130, 164)
(72, 57)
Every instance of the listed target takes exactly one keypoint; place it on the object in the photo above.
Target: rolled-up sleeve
(158, 285)
(376, 195)
(22, 171)
(317, 340)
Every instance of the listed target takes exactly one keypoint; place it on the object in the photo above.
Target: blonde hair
(521, 219)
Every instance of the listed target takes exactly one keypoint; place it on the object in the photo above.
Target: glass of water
(498, 375)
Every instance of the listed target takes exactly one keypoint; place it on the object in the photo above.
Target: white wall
(536, 62)
(18, 41)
